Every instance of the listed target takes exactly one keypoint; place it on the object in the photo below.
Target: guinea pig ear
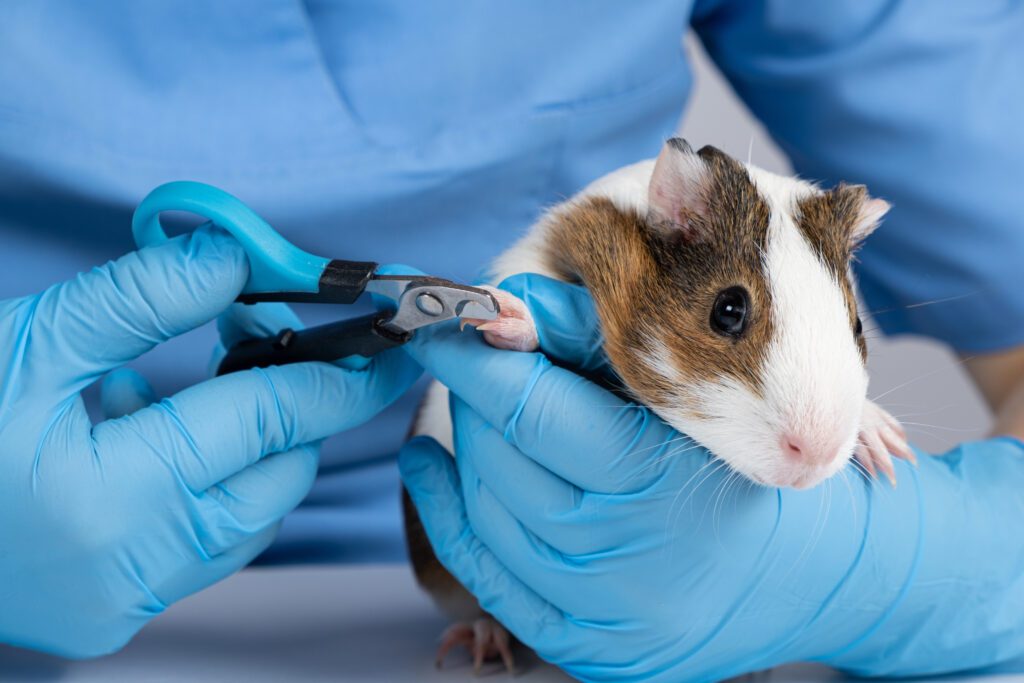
(676, 196)
(858, 211)
(872, 211)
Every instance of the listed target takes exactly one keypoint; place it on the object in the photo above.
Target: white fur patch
(814, 379)
(434, 419)
(626, 188)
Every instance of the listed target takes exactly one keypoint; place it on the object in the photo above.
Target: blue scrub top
(434, 133)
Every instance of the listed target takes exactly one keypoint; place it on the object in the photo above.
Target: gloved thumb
(124, 392)
(567, 323)
(116, 312)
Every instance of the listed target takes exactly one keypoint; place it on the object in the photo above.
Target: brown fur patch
(827, 222)
(655, 284)
(430, 573)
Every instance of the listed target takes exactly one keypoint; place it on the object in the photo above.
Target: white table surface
(335, 624)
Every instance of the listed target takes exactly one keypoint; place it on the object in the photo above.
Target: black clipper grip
(358, 336)
(341, 283)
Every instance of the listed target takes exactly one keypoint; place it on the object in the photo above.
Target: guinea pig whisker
(859, 467)
(712, 500)
(677, 450)
(939, 409)
(682, 507)
(659, 445)
(853, 498)
(671, 518)
(877, 398)
(924, 425)
(920, 304)
(682, 448)
(817, 531)
(720, 502)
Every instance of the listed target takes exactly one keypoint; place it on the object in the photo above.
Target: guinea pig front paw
(513, 329)
(881, 436)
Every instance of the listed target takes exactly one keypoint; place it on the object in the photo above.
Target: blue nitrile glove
(619, 550)
(102, 526)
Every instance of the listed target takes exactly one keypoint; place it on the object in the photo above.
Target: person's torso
(430, 134)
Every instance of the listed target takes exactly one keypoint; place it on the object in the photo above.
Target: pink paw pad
(514, 328)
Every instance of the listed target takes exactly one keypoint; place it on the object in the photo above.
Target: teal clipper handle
(278, 270)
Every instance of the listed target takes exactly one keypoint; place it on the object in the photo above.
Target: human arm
(1000, 377)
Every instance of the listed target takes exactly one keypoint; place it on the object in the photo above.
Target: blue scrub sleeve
(922, 102)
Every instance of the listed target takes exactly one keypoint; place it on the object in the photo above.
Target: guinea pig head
(755, 348)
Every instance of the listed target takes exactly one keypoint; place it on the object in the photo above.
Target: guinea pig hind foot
(486, 640)
(881, 436)
(514, 328)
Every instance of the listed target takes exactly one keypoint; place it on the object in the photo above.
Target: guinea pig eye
(729, 313)
(858, 329)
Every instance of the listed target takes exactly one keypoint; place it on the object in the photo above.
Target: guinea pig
(726, 305)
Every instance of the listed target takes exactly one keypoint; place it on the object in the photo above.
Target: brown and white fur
(784, 403)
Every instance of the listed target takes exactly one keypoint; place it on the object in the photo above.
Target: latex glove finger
(525, 554)
(123, 392)
(195, 577)
(113, 314)
(428, 472)
(558, 513)
(255, 498)
(569, 425)
(566, 319)
(244, 321)
(212, 430)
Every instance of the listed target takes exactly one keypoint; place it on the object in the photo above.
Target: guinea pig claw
(864, 458)
(881, 437)
(485, 639)
(895, 442)
(887, 467)
(900, 449)
(883, 460)
(514, 329)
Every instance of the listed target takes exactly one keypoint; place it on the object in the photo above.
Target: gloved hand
(102, 526)
(620, 550)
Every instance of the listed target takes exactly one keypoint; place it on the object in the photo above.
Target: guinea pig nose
(803, 450)
(793, 447)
